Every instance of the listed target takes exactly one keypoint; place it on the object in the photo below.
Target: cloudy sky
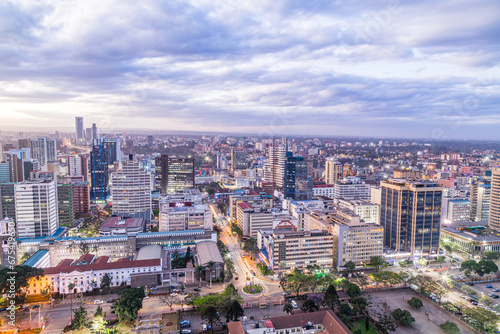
(326, 67)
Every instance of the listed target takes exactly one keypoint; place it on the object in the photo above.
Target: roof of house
(119, 223)
(235, 328)
(207, 251)
(33, 260)
(328, 319)
(244, 205)
(64, 267)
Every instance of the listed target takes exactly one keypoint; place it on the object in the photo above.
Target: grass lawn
(360, 325)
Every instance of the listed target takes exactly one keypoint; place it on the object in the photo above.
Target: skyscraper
(7, 201)
(333, 171)
(78, 166)
(36, 208)
(297, 182)
(94, 131)
(238, 160)
(80, 134)
(131, 190)
(480, 197)
(65, 204)
(410, 214)
(44, 150)
(174, 174)
(274, 168)
(16, 168)
(494, 217)
(99, 176)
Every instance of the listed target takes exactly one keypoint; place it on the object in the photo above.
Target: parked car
(495, 296)
(463, 296)
(186, 331)
(174, 294)
(294, 304)
(489, 286)
(35, 306)
(470, 284)
(153, 288)
(110, 300)
(205, 327)
(98, 301)
(496, 289)
(473, 302)
(196, 289)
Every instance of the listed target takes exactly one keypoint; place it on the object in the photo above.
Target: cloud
(254, 66)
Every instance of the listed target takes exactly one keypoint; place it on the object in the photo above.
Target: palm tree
(211, 266)
(71, 286)
(198, 271)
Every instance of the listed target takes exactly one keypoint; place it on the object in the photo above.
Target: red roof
(65, 262)
(102, 259)
(323, 186)
(87, 258)
(244, 205)
(117, 222)
(101, 265)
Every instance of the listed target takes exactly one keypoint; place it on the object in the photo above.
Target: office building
(104, 154)
(174, 174)
(261, 199)
(16, 168)
(44, 150)
(81, 197)
(94, 132)
(410, 213)
(472, 239)
(65, 204)
(88, 134)
(333, 171)
(4, 171)
(121, 226)
(480, 197)
(297, 180)
(181, 216)
(351, 188)
(324, 190)
(22, 153)
(494, 215)
(367, 211)
(150, 140)
(131, 190)
(7, 201)
(36, 208)
(238, 160)
(285, 250)
(80, 134)
(274, 168)
(78, 166)
(455, 210)
(24, 143)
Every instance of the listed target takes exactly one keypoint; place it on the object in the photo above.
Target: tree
(416, 303)
(297, 281)
(210, 266)
(487, 319)
(353, 290)
(448, 248)
(236, 229)
(345, 309)
(331, 297)
(79, 318)
(359, 304)
(129, 304)
(309, 306)
(378, 262)
(492, 255)
(98, 311)
(422, 261)
(250, 245)
(99, 324)
(450, 327)
(210, 315)
(235, 311)
(384, 317)
(479, 268)
(402, 316)
(169, 300)
(22, 278)
(198, 271)
(288, 308)
(386, 277)
(106, 281)
(350, 266)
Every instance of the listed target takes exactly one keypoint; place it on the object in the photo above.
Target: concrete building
(274, 167)
(285, 250)
(250, 219)
(173, 175)
(80, 134)
(325, 190)
(333, 171)
(180, 216)
(261, 199)
(473, 239)
(65, 204)
(494, 214)
(480, 197)
(455, 210)
(118, 226)
(131, 190)
(411, 216)
(367, 211)
(78, 166)
(350, 188)
(81, 197)
(206, 252)
(7, 201)
(44, 150)
(36, 208)
(238, 160)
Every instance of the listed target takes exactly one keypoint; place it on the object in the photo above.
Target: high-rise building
(4, 171)
(78, 166)
(65, 203)
(350, 188)
(79, 128)
(22, 153)
(494, 216)
(297, 181)
(131, 190)
(480, 196)
(174, 174)
(455, 210)
(105, 152)
(410, 213)
(30, 166)
(150, 140)
(36, 208)
(24, 143)
(238, 160)
(94, 131)
(81, 197)
(274, 168)
(16, 168)
(88, 134)
(333, 171)
(44, 150)
(7, 201)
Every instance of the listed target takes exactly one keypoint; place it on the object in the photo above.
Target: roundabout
(253, 289)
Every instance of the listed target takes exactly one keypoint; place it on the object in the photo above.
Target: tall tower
(80, 134)
(410, 213)
(333, 171)
(494, 217)
(44, 150)
(94, 131)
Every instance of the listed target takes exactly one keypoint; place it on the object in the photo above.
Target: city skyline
(420, 70)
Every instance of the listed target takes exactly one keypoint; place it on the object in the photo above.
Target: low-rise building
(180, 216)
(367, 211)
(471, 238)
(119, 226)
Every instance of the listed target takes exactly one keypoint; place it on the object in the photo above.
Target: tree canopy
(22, 277)
(129, 304)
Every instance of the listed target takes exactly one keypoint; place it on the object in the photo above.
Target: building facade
(494, 214)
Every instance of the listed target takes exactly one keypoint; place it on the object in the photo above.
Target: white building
(274, 168)
(367, 211)
(326, 190)
(77, 166)
(44, 150)
(131, 190)
(351, 187)
(181, 216)
(455, 210)
(36, 208)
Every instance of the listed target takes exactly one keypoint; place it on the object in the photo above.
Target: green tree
(235, 311)
(99, 324)
(288, 308)
(345, 309)
(378, 262)
(129, 304)
(384, 317)
(250, 245)
(416, 303)
(211, 267)
(422, 261)
(402, 316)
(353, 290)
(487, 319)
(198, 271)
(331, 297)
(106, 281)
(450, 327)
(211, 316)
(98, 311)
(79, 318)
(350, 266)
(309, 306)
(492, 256)
(22, 278)
(237, 230)
(359, 304)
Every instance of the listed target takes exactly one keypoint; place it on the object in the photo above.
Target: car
(35, 306)
(3, 309)
(489, 286)
(462, 295)
(496, 289)
(490, 294)
(175, 290)
(110, 300)
(174, 294)
(186, 331)
(495, 296)
(253, 272)
(473, 302)
(458, 313)
(147, 297)
(153, 288)
(185, 293)
(152, 293)
(294, 304)
(204, 327)
(236, 278)
(470, 284)
(98, 301)
(196, 289)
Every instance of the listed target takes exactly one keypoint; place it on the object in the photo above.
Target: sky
(426, 69)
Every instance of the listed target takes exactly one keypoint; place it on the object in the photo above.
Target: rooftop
(118, 223)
